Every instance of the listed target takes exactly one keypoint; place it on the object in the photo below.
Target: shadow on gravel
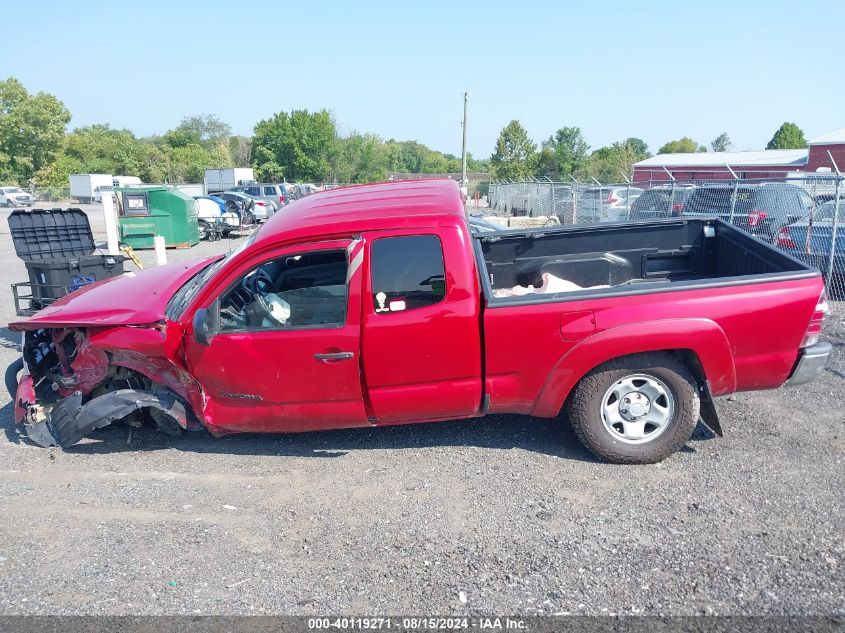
(549, 437)
(8, 424)
(554, 438)
(9, 339)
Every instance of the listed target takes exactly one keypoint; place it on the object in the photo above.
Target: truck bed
(633, 258)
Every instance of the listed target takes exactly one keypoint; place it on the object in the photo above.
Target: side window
(407, 273)
(269, 191)
(306, 290)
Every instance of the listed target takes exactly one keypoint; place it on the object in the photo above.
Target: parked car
(660, 202)
(394, 312)
(305, 189)
(761, 210)
(241, 204)
(261, 210)
(213, 222)
(15, 197)
(605, 204)
(220, 202)
(272, 194)
(821, 198)
(810, 239)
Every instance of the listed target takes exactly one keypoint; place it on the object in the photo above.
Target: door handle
(335, 356)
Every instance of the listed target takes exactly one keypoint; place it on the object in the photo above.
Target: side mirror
(206, 324)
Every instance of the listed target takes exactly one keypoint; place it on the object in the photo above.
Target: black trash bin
(57, 246)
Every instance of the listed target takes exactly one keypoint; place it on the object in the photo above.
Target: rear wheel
(636, 409)
(205, 231)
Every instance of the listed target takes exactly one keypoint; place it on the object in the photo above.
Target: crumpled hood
(133, 298)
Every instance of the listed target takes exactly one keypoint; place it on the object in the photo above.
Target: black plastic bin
(57, 246)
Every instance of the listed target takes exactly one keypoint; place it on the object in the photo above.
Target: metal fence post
(671, 202)
(833, 233)
(733, 201)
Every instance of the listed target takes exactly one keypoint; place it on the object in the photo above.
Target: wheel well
(686, 356)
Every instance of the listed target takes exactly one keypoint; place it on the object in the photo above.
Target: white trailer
(217, 180)
(126, 181)
(86, 188)
(191, 189)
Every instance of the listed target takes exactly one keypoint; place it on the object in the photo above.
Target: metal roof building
(769, 164)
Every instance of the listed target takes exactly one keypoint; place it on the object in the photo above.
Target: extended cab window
(407, 273)
(306, 290)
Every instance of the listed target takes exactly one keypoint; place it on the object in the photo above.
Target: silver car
(15, 197)
(605, 204)
(270, 193)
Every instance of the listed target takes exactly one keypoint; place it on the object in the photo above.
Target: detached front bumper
(810, 365)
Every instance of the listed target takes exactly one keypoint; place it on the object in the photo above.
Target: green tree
(571, 153)
(298, 146)
(546, 164)
(684, 145)
(515, 153)
(58, 171)
(637, 146)
(31, 131)
(611, 163)
(361, 158)
(202, 129)
(240, 150)
(100, 149)
(788, 136)
(721, 143)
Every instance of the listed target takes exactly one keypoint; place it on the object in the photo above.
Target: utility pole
(464, 147)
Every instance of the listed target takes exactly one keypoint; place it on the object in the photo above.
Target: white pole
(161, 253)
(111, 224)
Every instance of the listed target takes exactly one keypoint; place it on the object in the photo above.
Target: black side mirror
(206, 324)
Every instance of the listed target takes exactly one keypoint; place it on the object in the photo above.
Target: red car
(375, 305)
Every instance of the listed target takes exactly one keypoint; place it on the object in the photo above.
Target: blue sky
(657, 70)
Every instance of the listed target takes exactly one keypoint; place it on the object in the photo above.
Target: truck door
(286, 354)
(421, 337)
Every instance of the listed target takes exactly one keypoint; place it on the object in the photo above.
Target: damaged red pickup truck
(376, 305)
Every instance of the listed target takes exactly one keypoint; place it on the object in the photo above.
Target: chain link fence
(801, 215)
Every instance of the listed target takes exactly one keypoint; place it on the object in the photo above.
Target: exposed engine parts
(73, 388)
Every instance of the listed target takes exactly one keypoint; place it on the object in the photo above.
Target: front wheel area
(637, 409)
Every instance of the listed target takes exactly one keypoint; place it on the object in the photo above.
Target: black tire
(205, 232)
(585, 406)
(11, 377)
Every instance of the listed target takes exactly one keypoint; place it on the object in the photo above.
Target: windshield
(14, 190)
(183, 297)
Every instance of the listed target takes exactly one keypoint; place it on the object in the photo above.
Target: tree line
(565, 154)
(36, 148)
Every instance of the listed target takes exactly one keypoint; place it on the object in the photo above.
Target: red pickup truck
(376, 305)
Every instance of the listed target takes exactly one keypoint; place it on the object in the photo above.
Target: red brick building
(762, 164)
(819, 158)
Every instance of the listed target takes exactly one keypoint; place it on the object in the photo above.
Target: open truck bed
(634, 258)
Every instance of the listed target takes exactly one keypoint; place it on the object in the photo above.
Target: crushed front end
(71, 387)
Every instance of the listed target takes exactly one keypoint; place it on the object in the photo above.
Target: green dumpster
(147, 211)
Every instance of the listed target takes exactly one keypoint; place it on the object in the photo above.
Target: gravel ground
(506, 514)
